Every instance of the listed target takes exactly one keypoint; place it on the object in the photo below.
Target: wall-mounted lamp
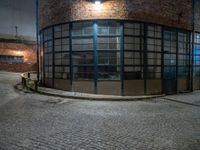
(97, 2)
(19, 52)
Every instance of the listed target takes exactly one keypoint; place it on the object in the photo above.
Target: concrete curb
(90, 97)
(85, 96)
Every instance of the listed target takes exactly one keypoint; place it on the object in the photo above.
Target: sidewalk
(85, 96)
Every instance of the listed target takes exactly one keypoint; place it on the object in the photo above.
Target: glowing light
(98, 5)
(98, 2)
(19, 53)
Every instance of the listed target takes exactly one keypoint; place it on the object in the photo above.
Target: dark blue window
(197, 55)
(8, 58)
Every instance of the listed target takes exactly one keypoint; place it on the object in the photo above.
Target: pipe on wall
(193, 38)
(37, 40)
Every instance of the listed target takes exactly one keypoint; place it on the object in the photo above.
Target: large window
(101, 49)
(197, 55)
(108, 49)
(154, 52)
(170, 47)
(183, 55)
(61, 52)
(48, 55)
(133, 51)
(82, 51)
(8, 58)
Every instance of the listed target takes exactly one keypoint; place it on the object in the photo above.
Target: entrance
(169, 73)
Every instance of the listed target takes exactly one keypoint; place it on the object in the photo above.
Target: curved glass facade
(118, 57)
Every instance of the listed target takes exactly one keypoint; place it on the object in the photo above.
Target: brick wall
(27, 50)
(175, 13)
(197, 27)
(18, 67)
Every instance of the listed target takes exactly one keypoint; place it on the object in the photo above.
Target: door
(170, 62)
(169, 73)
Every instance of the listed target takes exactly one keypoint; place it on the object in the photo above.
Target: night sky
(20, 13)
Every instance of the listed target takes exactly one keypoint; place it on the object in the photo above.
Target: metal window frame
(122, 35)
(140, 51)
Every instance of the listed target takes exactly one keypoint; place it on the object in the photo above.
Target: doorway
(169, 73)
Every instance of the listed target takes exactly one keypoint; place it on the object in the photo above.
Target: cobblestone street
(31, 121)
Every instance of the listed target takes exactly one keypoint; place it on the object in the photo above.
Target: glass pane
(83, 58)
(109, 73)
(83, 72)
(109, 58)
(108, 28)
(82, 29)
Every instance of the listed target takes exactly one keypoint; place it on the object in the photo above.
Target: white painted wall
(19, 13)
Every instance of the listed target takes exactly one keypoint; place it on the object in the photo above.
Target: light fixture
(97, 2)
(97, 5)
(19, 52)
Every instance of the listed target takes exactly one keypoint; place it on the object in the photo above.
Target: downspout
(37, 42)
(193, 38)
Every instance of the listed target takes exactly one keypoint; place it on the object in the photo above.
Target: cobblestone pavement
(30, 121)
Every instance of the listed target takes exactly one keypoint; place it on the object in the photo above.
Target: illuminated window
(108, 49)
(133, 51)
(82, 51)
(8, 58)
(61, 52)
(183, 55)
(154, 52)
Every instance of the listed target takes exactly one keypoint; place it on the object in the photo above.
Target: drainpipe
(193, 38)
(37, 41)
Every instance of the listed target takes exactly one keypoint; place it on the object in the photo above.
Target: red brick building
(17, 57)
(120, 47)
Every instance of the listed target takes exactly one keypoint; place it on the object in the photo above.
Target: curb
(105, 98)
(96, 97)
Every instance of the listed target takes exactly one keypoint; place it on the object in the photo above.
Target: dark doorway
(169, 74)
